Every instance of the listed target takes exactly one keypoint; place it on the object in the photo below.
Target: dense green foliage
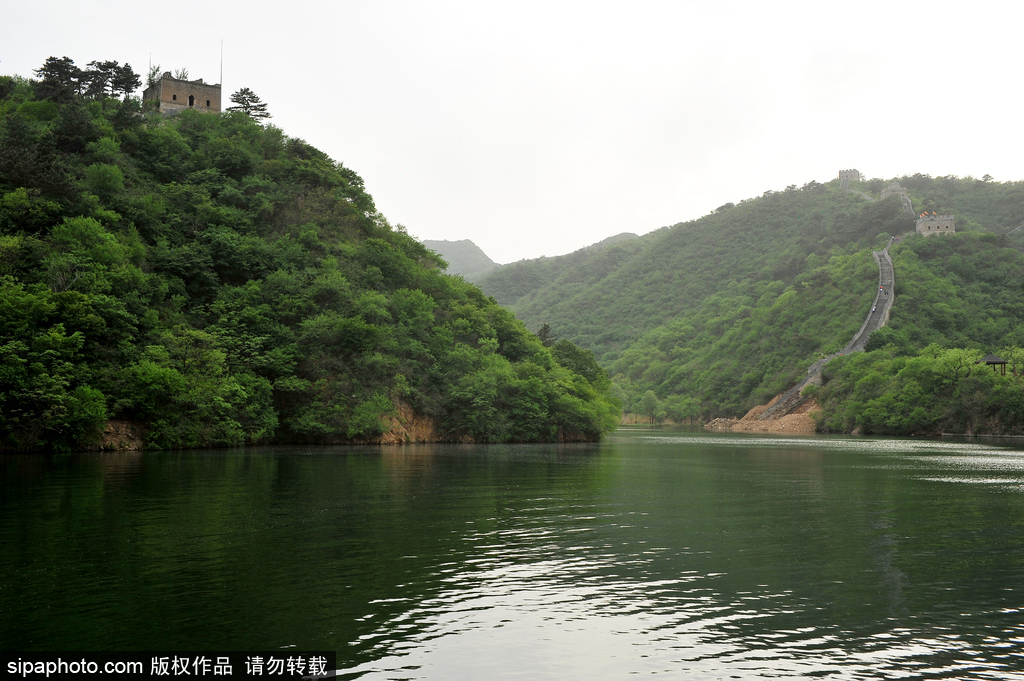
(717, 314)
(222, 283)
(936, 390)
(711, 317)
(513, 282)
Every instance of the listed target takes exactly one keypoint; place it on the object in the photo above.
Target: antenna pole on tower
(222, 64)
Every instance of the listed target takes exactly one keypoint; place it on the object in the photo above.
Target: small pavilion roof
(992, 359)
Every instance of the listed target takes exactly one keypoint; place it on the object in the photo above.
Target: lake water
(680, 554)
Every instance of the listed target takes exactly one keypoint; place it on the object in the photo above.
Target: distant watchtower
(173, 96)
(848, 176)
(932, 224)
(900, 191)
(894, 188)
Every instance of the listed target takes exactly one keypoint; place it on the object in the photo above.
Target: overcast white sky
(536, 128)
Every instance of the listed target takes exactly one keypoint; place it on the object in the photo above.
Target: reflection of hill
(258, 547)
(673, 550)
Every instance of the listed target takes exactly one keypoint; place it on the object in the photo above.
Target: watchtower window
(174, 97)
(191, 100)
(207, 102)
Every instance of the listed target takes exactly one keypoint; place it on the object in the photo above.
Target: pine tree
(97, 77)
(248, 102)
(545, 336)
(125, 80)
(60, 80)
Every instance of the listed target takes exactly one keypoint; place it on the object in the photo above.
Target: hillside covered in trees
(606, 298)
(711, 317)
(217, 282)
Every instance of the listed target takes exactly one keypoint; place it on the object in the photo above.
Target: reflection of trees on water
(735, 550)
(885, 549)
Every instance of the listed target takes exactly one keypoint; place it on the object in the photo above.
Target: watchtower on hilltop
(173, 95)
(848, 176)
(933, 224)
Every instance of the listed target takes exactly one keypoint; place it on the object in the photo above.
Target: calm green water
(682, 554)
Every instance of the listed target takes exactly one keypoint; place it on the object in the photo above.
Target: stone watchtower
(848, 176)
(173, 96)
(894, 188)
(931, 224)
(900, 191)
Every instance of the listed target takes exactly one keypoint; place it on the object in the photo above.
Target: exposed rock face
(408, 425)
(122, 436)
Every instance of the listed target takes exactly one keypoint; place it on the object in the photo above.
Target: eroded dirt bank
(798, 423)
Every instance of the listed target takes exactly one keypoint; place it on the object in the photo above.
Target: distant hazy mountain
(464, 257)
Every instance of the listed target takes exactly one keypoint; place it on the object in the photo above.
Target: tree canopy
(62, 81)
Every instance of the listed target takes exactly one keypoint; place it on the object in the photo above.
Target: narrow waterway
(677, 553)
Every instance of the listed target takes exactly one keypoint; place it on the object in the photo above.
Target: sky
(538, 128)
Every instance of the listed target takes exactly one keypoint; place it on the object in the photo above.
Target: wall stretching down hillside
(881, 308)
(723, 313)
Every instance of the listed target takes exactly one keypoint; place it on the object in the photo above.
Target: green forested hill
(717, 315)
(519, 279)
(737, 351)
(605, 299)
(219, 282)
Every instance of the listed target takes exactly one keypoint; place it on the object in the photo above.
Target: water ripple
(558, 610)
